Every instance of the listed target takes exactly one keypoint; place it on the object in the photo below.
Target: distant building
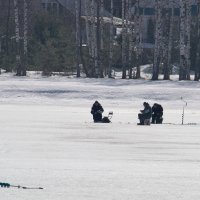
(147, 11)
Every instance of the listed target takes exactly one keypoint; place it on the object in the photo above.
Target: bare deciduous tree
(111, 41)
(158, 35)
(138, 41)
(197, 63)
(185, 30)
(25, 39)
(17, 36)
(123, 41)
(78, 10)
(170, 42)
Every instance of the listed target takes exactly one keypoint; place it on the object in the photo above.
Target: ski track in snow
(47, 139)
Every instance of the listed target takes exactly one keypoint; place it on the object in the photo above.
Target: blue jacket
(147, 112)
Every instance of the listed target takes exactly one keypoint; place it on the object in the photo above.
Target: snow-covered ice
(47, 139)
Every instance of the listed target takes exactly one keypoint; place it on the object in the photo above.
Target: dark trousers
(97, 117)
(157, 119)
(141, 117)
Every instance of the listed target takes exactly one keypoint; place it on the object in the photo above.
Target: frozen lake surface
(47, 139)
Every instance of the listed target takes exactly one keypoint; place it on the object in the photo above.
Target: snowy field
(47, 139)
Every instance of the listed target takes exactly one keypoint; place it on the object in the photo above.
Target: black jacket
(96, 108)
(157, 109)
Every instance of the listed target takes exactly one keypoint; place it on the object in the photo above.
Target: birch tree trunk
(102, 24)
(94, 39)
(127, 28)
(25, 38)
(98, 40)
(188, 37)
(89, 33)
(166, 36)
(102, 71)
(170, 44)
(21, 26)
(130, 37)
(183, 58)
(123, 42)
(111, 42)
(17, 37)
(137, 22)
(81, 58)
(157, 53)
(8, 29)
(197, 67)
(77, 5)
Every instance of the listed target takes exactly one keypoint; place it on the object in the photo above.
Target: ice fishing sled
(107, 119)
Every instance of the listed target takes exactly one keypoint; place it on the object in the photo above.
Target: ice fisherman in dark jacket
(157, 113)
(145, 114)
(97, 111)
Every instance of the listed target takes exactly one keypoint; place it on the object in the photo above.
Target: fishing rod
(7, 185)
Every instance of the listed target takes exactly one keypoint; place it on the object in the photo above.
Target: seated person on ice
(97, 111)
(145, 114)
(157, 113)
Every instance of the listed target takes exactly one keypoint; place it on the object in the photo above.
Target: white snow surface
(48, 139)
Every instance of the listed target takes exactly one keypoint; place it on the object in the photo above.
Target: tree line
(176, 38)
(95, 41)
(32, 39)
